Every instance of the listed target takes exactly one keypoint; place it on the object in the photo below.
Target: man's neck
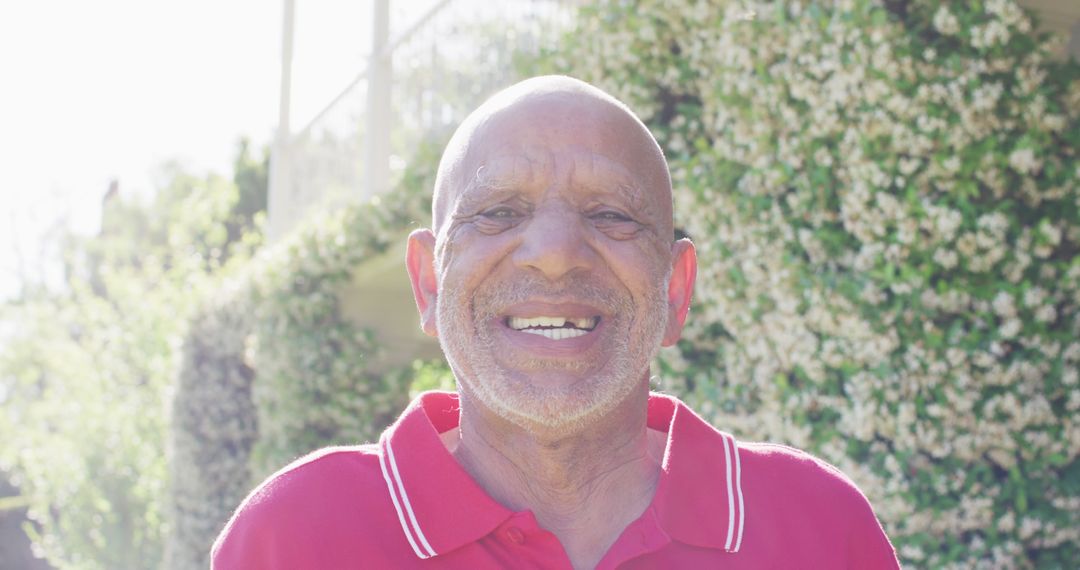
(583, 487)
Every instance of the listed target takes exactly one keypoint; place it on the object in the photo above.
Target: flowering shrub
(884, 196)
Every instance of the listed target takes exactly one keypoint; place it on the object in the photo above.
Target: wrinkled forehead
(527, 166)
(519, 142)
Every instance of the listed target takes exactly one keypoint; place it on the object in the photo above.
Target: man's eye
(610, 216)
(500, 213)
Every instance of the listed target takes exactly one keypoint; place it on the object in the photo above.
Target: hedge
(884, 199)
(271, 370)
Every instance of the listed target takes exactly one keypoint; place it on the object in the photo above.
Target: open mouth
(555, 328)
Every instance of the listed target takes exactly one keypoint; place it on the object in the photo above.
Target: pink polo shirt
(406, 503)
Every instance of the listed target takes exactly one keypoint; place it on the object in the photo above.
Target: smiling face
(552, 267)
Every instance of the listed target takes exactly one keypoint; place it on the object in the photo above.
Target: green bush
(884, 196)
(214, 426)
(272, 370)
(315, 385)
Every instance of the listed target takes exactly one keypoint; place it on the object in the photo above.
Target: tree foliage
(86, 371)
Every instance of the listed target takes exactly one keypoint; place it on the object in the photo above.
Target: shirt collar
(438, 504)
(698, 498)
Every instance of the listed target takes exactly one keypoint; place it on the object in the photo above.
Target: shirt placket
(641, 537)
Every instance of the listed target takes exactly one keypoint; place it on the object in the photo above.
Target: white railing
(418, 84)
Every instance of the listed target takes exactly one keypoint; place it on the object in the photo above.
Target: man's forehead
(582, 166)
(588, 176)
(517, 136)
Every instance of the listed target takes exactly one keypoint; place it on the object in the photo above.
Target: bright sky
(113, 88)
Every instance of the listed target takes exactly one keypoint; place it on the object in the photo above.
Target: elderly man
(551, 279)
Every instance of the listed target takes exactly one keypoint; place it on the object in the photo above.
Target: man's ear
(420, 260)
(680, 288)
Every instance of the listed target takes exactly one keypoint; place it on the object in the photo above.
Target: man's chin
(556, 402)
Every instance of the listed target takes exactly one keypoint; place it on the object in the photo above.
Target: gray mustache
(492, 300)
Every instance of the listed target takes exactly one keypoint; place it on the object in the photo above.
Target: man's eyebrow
(626, 185)
(628, 191)
(500, 186)
(493, 179)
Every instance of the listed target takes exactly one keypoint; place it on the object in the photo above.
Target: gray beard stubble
(531, 406)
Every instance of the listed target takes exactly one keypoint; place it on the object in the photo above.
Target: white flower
(946, 257)
(1023, 161)
(1046, 314)
(1008, 12)
(1010, 329)
(1007, 522)
(951, 164)
(945, 22)
(909, 165)
(1051, 233)
(1034, 296)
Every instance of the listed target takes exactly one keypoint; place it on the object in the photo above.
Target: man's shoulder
(790, 462)
(810, 508)
(766, 468)
(316, 474)
(325, 478)
(788, 471)
(335, 490)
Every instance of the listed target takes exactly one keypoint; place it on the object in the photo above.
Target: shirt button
(515, 535)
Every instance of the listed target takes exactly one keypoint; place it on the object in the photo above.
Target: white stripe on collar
(734, 489)
(408, 526)
(738, 489)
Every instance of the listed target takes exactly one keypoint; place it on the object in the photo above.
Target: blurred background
(203, 209)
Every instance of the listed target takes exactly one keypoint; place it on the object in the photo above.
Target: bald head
(523, 126)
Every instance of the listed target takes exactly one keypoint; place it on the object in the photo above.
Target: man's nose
(554, 244)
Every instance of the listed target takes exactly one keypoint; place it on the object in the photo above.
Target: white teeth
(557, 334)
(586, 323)
(521, 323)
